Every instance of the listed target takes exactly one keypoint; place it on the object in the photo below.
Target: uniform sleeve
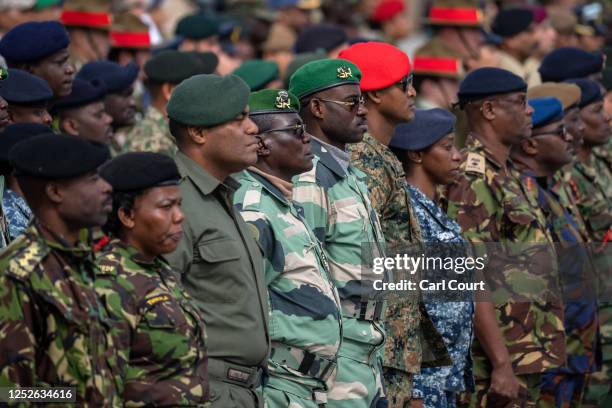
(17, 339)
(271, 247)
(313, 199)
(379, 180)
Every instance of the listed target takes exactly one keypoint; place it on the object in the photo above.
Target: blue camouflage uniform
(17, 213)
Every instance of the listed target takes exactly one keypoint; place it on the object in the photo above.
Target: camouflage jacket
(151, 134)
(55, 331)
(492, 207)
(304, 303)
(576, 272)
(160, 334)
(337, 208)
(120, 139)
(389, 195)
(17, 211)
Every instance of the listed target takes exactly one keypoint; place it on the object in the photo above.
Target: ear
(198, 136)
(126, 218)
(316, 108)
(530, 146)
(262, 149)
(54, 193)
(166, 90)
(11, 115)
(487, 110)
(415, 157)
(69, 126)
(374, 96)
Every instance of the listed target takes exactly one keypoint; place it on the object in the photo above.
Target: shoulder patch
(25, 259)
(153, 300)
(475, 163)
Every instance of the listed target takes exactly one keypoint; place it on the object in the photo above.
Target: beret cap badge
(344, 72)
(282, 100)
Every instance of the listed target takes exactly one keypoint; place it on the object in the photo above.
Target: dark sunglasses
(298, 130)
(405, 82)
(561, 132)
(352, 105)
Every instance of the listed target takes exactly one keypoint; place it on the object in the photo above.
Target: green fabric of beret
(197, 26)
(172, 66)
(323, 74)
(208, 100)
(273, 101)
(257, 73)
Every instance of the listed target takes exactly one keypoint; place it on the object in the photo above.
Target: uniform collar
(278, 188)
(203, 180)
(132, 252)
(434, 210)
(476, 146)
(326, 158)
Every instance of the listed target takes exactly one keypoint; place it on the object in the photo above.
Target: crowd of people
(193, 193)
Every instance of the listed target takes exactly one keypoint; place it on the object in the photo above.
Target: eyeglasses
(405, 82)
(298, 130)
(352, 105)
(561, 132)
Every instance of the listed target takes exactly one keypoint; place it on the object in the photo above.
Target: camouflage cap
(273, 101)
(257, 73)
(128, 31)
(323, 74)
(568, 94)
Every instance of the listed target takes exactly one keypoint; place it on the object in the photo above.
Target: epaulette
(252, 196)
(25, 256)
(309, 176)
(107, 264)
(475, 163)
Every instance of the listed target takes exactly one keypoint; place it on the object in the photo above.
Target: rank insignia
(344, 72)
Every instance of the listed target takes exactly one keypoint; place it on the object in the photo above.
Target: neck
(380, 128)
(584, 154)
(421, 180)
(513, 53)
(266, 168)
(51, 221)
(160, 104)
(532, 163)
(144, 255)
(494, 145)
(218, 172)
(319, 134)
(11, 182)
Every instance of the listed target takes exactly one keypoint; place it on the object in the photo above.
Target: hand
(504, 382)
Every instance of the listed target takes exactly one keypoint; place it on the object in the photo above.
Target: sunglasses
(298, 130)
(352, 105)
(561, 132)
(405, 82)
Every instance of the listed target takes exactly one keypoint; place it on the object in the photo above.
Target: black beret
(487, 81)
(83, 93)
(197, 26)
(569, 62)
(55, 156)
(136, 171)
(17, 133)
(512, 21)
(320, 37)
(33, 41)
(208, 61)
(590, 91)
(427, 127)
(172, 66)
(116, 77)
(606, 80)
(21, 87)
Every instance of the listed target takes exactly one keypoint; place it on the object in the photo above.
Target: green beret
(257, 73)
(197, 26)
(323, 74)
(172, 66)
(300, 60)
(273, 101)
(208, 100)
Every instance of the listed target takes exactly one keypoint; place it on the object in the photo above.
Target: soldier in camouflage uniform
(491, 206)
(539, 157)
(336, 206)
(305, 319)
(389, 196)
(158, 329)
(55, 329)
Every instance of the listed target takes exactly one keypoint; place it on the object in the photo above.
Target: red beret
(387, 9)
(381, 64)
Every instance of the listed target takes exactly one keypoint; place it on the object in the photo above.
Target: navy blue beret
(545, 110)
(136, 171)
(590, 91)
(320, 37)
(24, 88)
(569, 62)
(116, 77)
(33, 41)
(83, 93)
(512, 21)
(487, 81)
(54, 156)
(427, 127)
(17, 133)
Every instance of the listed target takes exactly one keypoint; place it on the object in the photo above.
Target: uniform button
(364, 333)
(255, 184)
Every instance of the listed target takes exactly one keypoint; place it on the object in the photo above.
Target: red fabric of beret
(387, 9)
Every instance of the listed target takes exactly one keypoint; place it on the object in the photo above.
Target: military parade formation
(193, 219)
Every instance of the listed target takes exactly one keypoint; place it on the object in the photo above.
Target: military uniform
(55, 327)
(151, 135)
(305, 319)
(158, 330)
(489, 203)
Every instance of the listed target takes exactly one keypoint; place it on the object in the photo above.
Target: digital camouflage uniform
(337, 208)
(159, 332)
(491, 206)
(403, 320)
(591, 187)
(305, 319)
(120, 139)
(54, 330)
(17, 212)
(152, 134)
(564, 386)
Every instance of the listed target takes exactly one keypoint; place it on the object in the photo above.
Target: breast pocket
(220, 269)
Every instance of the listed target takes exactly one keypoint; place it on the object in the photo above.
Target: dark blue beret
(83, 93)
(136, 171)
(487, 81)
(427, 127)
(116, 77)
(590, 91)
(55, 156)
(24, 88)
(320, 37)
(33, 41)
(17, 133)
(568, 62)
(545, 111)
(512, 21)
